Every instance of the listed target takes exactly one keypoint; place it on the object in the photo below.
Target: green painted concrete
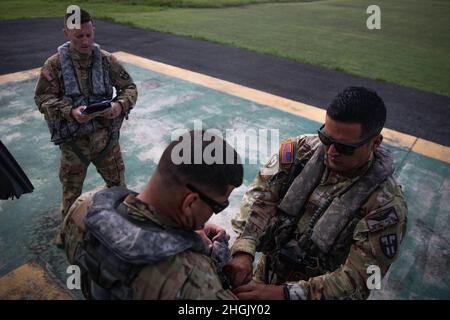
(27, 225)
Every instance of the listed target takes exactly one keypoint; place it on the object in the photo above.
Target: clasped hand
(113, 112)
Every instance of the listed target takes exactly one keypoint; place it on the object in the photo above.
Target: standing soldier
(78, 75)
(322, 211)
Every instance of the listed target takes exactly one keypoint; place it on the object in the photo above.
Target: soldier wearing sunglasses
(156, 244)
(322, 210)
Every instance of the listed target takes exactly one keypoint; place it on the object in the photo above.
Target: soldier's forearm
(54, 108)
(66, 112)
(250, 223)
(344, 283)
(127, 97)
(244, 245)
(260, 215)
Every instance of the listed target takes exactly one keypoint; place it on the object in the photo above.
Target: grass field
(412, 48)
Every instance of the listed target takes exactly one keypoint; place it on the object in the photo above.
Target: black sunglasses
(345, 148)
(214, 205)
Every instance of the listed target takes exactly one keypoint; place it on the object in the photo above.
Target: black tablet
(98, 107)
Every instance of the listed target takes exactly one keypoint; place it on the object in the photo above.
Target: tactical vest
(326, 243)
(116, 246)
(64, 131)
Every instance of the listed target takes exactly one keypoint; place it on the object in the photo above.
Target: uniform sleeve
(260, 201)
(187, 276)
(48, 95)
(376, 246)
(126, 89)
(258, 205)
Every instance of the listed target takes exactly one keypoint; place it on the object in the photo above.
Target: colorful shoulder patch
(287, 153)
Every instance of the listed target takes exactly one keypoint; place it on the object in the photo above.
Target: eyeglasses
(214, 205)
(345, 148)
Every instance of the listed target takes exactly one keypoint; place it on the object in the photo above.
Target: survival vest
(63, 131)
(116, 246)
(324, 246)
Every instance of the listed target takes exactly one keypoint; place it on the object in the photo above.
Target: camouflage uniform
(49, 97)
(187, 275)
(374, 235)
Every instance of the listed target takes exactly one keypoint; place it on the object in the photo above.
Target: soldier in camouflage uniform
(78, 75)
(143, 246)
(322, 210)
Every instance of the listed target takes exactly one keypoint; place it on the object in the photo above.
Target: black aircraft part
(13, 181)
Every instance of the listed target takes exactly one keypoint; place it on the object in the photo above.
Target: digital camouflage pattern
(49, 97)
(63, 131)
(101, 84)
(375, 236)
(187, 275)
(136, 244)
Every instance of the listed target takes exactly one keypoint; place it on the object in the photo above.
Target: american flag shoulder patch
(46, 74)
(287, 153)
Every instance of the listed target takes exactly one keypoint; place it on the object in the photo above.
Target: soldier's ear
(188, 204)
(376, 142)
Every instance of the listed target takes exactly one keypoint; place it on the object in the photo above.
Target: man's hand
(116, 110)
(79, 117)
(214, 232)
(239, 269)
(259, 291)
(211, 233)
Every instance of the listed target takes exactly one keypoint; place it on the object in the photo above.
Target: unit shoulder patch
(124, 75)
(389, 245)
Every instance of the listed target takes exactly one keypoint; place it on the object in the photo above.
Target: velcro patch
(287, 153)
(380, 220)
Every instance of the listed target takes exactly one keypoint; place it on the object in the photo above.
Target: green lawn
(412, 48)
(201, 3)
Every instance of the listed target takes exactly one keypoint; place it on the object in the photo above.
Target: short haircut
(215, 177)
(359, 105)
(84, 17)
